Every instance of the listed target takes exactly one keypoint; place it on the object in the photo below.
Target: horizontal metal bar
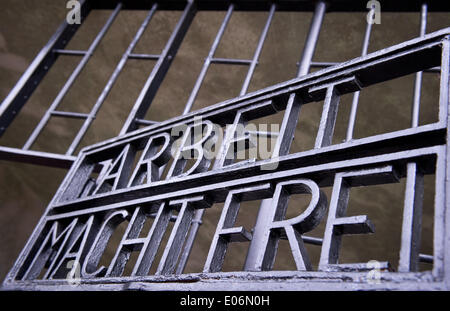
(132, 242)
(97, 149)
(144, 56)
(361, 267)
(282, 5)
(303, 163)
(145, 122)
(322, 64)
(258, 50)
(68, 114)
(426, 258)
(207, 62)
(312, 240)
(109, 84)
(30, 79)
(307, 239)
(219, 190)
(36, 157)
(173, 218)
(434, 70)
(236, 234)
(373, 68)
(70, 52)
(266, 134)
(69, 82)
(230, 61)
(160, 69)
(353, 225)
(329, 64)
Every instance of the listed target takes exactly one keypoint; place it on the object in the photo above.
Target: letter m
(50, 247)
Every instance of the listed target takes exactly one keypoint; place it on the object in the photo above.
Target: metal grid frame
(31, 78)
(409, 154)
(377, 159)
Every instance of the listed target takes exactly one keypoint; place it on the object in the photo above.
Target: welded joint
(343, 86)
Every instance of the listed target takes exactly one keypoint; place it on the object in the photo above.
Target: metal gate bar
(418, 81)
(70, 81)
(354, 108)
(34, 74)
(112, 80)
(358, 67)
(409, 153)
(156, 77)
(287, 130)
(208, 60)
(291, 114)
(258, 50)
(31, 78)
(211, 59)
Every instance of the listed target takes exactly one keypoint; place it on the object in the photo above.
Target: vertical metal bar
(352, 117)
(328, 119)
(441, 241)
(160, 69)
(412, 220)
(337, 223)
(286, 133)
(338, 205)
(69, 52)
(207, 62)
(258, 50)
(153, 240)
(199, 213)
(219, 245)
(110, 82)
(311, 40)
(34, 74)
(444, 176)
(170, 256)
(418, 81)
(441, 264)
(72, 78)
(226, 232)
(288, 126)
(15, 272)
(291, 115)
(196, 222)
(129, 242)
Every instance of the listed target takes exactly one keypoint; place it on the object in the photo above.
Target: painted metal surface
(150, 173)
(85, 211)
(24, 88)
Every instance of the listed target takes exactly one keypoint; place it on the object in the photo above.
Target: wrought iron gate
(173, 171)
